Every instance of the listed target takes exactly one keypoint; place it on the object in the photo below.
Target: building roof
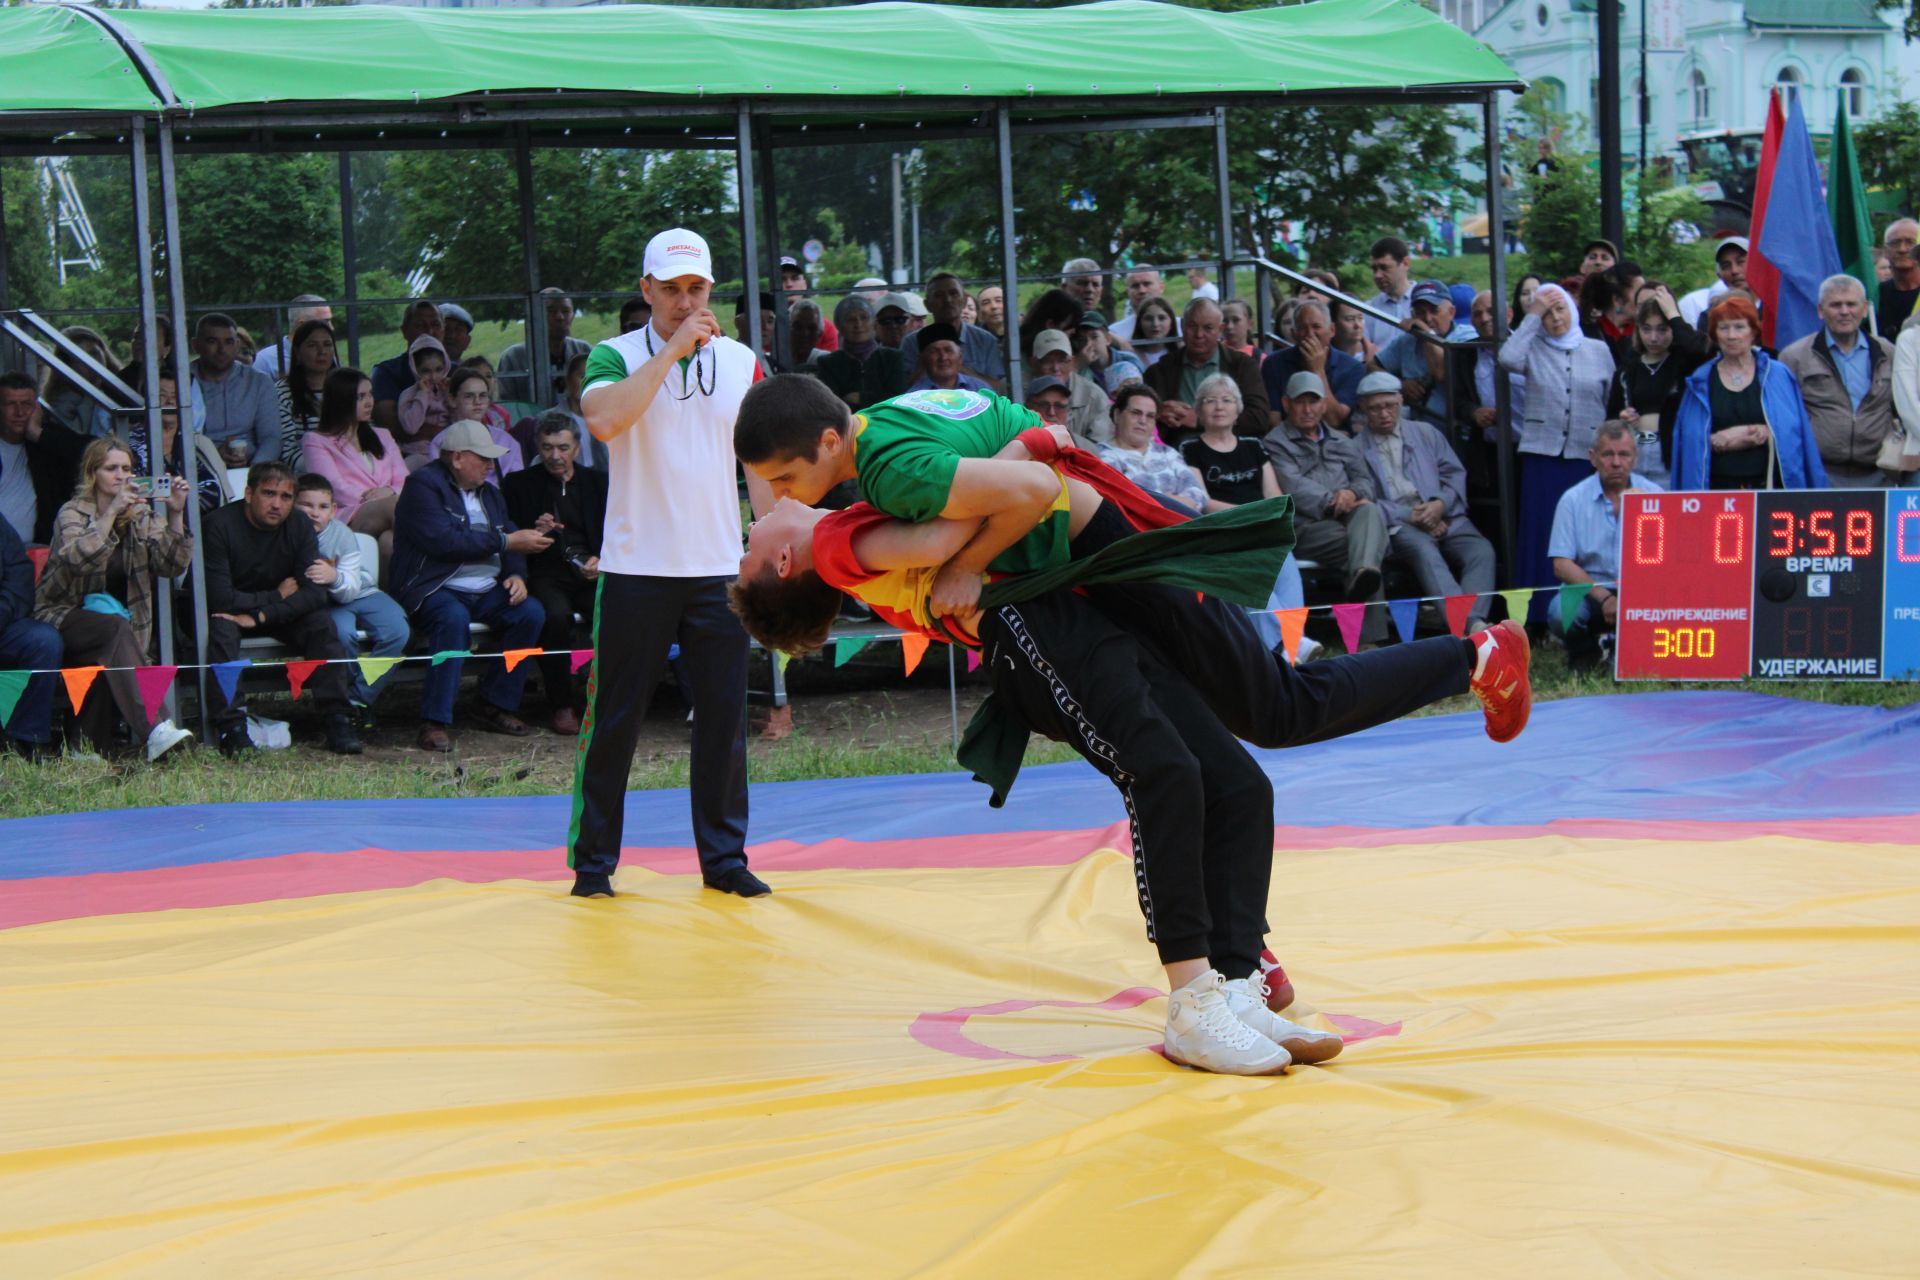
(1826, 15)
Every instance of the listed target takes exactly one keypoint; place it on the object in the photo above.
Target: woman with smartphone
(119, 533)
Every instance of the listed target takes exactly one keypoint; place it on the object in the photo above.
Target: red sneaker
(1505, 687)
(1279, 989)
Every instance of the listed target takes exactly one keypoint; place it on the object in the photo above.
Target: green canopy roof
(1130, 51)
(1840, 15)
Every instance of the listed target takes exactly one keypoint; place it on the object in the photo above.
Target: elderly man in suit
(1421, 489)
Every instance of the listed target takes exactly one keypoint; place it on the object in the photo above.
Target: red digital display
(1820, 532)
(1906, 544)
(1686, 583)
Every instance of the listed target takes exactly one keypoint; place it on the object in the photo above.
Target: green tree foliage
(32, 277)
(1564, 216)
(1681, 262)
(1889, 150)
(1910, 21)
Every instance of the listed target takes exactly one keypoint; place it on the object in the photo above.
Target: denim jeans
(444, 618)
(385, 622)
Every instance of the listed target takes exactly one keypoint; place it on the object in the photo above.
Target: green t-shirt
(907, 449)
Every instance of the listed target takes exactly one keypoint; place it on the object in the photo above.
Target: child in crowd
(358, 602)
(425, 409)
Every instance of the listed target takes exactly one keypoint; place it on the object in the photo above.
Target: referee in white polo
(662, 401)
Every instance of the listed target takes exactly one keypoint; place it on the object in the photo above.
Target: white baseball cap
(679, 252)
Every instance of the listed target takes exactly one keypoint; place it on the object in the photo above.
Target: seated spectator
(137, 345)
(795, 287)
(1585, 542)
(516, 362)
(39, 461)
(210, 472)
(1142, 283)
(458, 559)
(1236, 319)
(1199, 356)
(1100, 362)
(1156, 329)
(1422, 366)
(276, 359)
(1730, 262)
(356, 602)
(391, 377)
(805, 325)
(68, 401)
(635, 313)
(941, 364)
(1053, 358)
(1653, 367)
(586, 449)
(1742, 422)
(1846, 381)
(1313, 351)
(970, 311)
(470, 392)
(299, 392)
(1137, 454)
(991, 302)
(1350, 332)
(26, 644)
(456, 331)
(895, 316)
(425, 409)
(980, 354)
(1084, 279)
(1234, 468)
(112, 543)
(1336, 522)
(767, 360)
(862, 372)
(1054, 309)
(257, 560)
(1422, 492)
(1049, 397)
(360, 461)
(1394, 278)
(248, 347)
(568, 503)
(243, 406)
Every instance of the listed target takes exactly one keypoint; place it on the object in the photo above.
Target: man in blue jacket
(457, 560)
(25, 645)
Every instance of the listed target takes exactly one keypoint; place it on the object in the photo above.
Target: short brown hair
(1734, 308)
(792, 615)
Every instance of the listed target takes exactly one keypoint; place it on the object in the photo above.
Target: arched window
(1554, 91)
(1789, 81)
(1853, 83)
(1702, 94)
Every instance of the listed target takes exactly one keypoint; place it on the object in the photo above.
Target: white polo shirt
(673, 507)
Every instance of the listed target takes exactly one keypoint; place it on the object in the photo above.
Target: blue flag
(227, 675)
(1405, 614)
(1797, 237)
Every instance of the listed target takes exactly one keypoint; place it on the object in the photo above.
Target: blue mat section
(1701, 756)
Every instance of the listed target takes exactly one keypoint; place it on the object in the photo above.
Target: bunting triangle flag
(372, 669)
(154, 683)
(845, 647)
(298, 673)
(515, 657)
(1518, 599)
(450, 654)
(79, 680)
(912, 649)
(973, 661)
(1571, 594)
(578, 659)
(12, 685)
(1350, 617)
(1406, 616)
(1293, 625)
(227, 675)
(1458, 610)
(780, 661)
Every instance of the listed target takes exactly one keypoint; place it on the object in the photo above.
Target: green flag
(846, 646)
(12, 685)
(1847, 207)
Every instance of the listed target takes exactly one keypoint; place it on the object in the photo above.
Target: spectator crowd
(399, 508)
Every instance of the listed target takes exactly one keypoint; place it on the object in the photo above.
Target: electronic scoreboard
(1816, 584)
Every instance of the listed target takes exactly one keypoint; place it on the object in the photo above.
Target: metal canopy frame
(752, 128)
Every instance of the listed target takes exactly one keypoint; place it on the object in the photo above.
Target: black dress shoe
(342, 740)
(740, 881)
(587, 884)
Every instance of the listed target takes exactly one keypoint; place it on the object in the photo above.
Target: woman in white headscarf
(1567, 377)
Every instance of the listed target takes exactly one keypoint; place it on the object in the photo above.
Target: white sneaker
(1308, 647)
(1203, 1033)
(1247, 1000)
(164, 738)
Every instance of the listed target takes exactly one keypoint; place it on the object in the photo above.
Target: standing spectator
(243, 408)
(991, 302)
(517, 381)
(68, 401)
(312, 360)
(391, 377)
(275, 360)
(1083, 278)
(39, 461)
(1053, 358)
(1313, 351)
(1742, 422)
(456, 331)
(1336, 521)
(1603, 309)
(634, 314)
(1142, 283)
(1567, 376)
(1350, 332)
(568, 503)
(360, 461)
(1237, 331)
(1393, 277)
(459, 559)
(26, 644)
(210, 473)
(1156, 330)
(942, 367)
(1906, 399)
(1233, 466)
(1597, 258)
(1901, 289)
(256, 563)
(353, 589)
(1422, 492)
(1102, 363)
(1199, 356)
(1846, 381)
(794, 283)
(980, 352)
(1200, 286)
(1422, 366)
(862, 372)
(425, 410)
(1645, 391)
(1730, 262)
(111, 545)
(1486, 367)
(895, 316)
(1135, 453)
(1585, 542)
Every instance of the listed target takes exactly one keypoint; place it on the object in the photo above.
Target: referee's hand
(694, 332)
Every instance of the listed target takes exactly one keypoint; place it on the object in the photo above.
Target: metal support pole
(539, 381)
(189, 458)
(953, 691)
(1262, 305)
(6, 299)
(1497, 282)
(770, 202)
(749, 252)
(899, 273)
(349, 266)
(1009, 267)
(1645, 107)
(1612, 205)
(150, 370)
(1224, 178)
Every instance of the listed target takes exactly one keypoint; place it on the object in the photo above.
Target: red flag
(1762, 276)
(298, 673)
(1458, 608)
(580, 658)
(154, 683)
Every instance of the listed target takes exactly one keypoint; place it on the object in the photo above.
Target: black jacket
(54, 460)
(245, 565)
(432, 537)
(534, 492)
